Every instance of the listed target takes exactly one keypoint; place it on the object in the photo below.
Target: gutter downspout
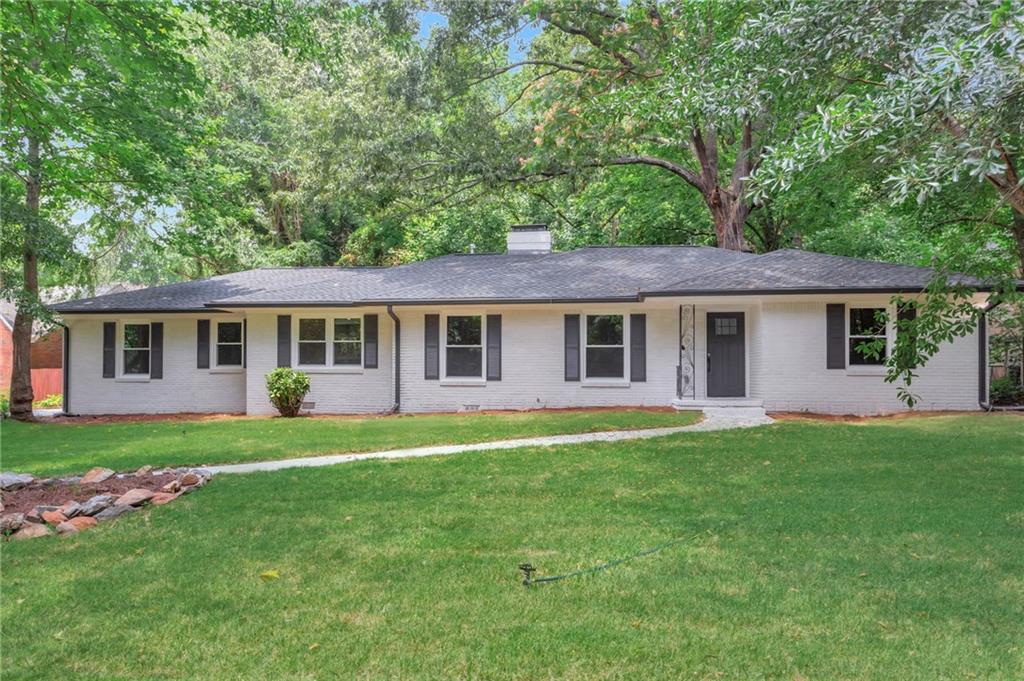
(397, 359)
(65, 370)
(983, 397)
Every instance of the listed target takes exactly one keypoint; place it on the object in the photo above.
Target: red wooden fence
(46, 382)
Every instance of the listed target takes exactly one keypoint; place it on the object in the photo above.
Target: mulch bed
(53, 492)
(838, 418)
(195, 416)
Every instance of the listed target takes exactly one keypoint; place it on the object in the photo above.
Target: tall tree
(98, 101)
(657, 84)
(936, 89)
(96, 97)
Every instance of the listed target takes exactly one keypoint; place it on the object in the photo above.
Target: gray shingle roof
(586, 274)
(790, 270)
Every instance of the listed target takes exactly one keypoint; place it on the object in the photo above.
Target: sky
(518, 47)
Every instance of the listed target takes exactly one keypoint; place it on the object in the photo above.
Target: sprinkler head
(527, 570)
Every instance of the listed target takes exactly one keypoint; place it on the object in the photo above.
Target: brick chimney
(529, 239)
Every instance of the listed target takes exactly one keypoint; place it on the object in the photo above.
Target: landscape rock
(145, 470)
(71, 509)
(36, 514)
(134, 497)
(11, 522)
(96, 504)
(12, 481)
(53, 517)
(71, 480)
(31, 531)
(83, 522)
(114, 512)
(161, 498)
(76, 525)
(172, 486)
(190, 479)
(96, 475)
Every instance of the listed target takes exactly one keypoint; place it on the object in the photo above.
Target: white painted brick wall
(333, 392)
(796, 378)
(785, 341)
(533, 370)
(184, 388)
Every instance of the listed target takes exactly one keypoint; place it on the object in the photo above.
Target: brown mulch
(55, 493)
(833, 418)
(148, 418)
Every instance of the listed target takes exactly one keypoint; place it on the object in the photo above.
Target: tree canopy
(156, 141)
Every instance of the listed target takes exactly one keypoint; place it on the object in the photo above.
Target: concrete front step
(739, 408)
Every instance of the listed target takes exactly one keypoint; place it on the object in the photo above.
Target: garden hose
(528, 569)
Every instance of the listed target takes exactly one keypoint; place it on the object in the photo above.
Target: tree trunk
(730, 216)
(21, 368)
(284, 213)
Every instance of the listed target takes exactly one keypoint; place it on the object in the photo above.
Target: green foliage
(49, 402)
(5, 404)
(286, 389)
(1006, 391)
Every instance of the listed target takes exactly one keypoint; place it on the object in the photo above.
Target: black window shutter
(156, 350)
(109, 333)
(638, 347)
(245, 341)
(369, 341)
(572, 347)
(431, 347)
(835, 336)
(907, 312)
(284, 340)
(494, 347)
(203, 344)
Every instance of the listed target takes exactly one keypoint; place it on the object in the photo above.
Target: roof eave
(794, 291)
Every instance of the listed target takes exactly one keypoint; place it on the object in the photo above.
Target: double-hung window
(331, 341)
(464, 350)
(229, 344)
(135, 358)
(312, 342)
(867, 325)
(348, 341)
(605, 346)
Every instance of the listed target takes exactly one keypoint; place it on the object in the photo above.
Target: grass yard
(56, 449)
(886, 550)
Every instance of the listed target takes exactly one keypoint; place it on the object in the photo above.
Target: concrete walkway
(710, 423)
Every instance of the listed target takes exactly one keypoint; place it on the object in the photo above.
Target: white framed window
(229, 344)
(330, 342)
(866, 324)
(604, 340)
(135, 349)
(348, 341)
(464, 346)
(313, 342)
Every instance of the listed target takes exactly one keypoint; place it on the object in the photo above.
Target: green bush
(5, 405)
(1006, 391)
(286, 389)
(49, 402)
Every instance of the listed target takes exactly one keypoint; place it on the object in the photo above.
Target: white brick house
(530, 328)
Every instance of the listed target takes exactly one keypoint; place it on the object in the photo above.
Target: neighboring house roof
(587, 274)
(51, 296)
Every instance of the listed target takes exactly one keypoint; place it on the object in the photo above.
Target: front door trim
(731, 379)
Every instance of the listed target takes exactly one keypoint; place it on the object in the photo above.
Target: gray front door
(726, 355)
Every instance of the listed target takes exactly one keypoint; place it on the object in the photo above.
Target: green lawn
(56, 449)
(891, 550)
